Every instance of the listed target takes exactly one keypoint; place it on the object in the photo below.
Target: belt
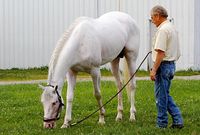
(167, 62)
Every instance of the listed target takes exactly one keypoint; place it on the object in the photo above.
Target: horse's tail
(126, 78)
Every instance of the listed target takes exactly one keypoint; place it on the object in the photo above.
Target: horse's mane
(59, 46)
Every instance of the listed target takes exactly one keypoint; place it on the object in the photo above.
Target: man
(165, 51)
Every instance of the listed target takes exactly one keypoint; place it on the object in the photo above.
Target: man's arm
(159, 57)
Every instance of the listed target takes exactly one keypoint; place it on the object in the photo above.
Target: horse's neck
(66, 60)
(60, 45)
(57, 75)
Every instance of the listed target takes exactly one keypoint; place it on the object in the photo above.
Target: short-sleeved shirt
(166, 39)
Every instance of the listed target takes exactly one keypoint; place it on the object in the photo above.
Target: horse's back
(101, 40)
(123, 18)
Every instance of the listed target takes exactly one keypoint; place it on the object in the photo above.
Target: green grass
(21, 111)
(16, 74)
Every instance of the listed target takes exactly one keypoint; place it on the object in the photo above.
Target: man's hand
(159, 57)
(153, 75)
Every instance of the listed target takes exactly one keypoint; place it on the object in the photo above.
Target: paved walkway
(81, 79)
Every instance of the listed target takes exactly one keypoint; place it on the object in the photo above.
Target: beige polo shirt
(166, 39)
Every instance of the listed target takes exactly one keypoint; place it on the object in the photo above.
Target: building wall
(31, 28)
(197, 35)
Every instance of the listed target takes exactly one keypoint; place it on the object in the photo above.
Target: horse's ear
(42, 87)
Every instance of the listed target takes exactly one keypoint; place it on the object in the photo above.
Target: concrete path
(81, 79)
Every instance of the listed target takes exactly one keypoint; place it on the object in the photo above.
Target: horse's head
(52, 104)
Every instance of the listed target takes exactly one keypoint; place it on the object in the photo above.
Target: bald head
(160, 11)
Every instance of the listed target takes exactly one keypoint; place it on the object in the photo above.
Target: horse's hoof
(118, 119)
(65, 126)
(132, 119)
(101, 122)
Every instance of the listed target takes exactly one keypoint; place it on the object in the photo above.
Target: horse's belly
(85, 66)
(110, 51)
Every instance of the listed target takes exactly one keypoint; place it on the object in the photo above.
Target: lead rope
(74, 124)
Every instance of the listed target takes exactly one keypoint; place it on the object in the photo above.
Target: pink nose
(49, 124)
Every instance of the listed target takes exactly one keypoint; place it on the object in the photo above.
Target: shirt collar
(167, 21)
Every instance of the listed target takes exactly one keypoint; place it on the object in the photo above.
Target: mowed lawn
(21, 111)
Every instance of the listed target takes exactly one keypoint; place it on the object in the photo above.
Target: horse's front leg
(71, 81)
(96, 75)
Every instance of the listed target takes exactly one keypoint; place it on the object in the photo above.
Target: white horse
(84, 47)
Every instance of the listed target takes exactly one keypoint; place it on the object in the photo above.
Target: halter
(59, 108)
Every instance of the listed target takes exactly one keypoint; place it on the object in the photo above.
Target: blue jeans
(164, 101)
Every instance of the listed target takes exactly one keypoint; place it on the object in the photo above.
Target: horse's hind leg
(96, 75)
(116, 74)
(131, 62)
(71, 81)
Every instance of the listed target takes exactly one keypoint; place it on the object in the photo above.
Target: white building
(30, 29)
